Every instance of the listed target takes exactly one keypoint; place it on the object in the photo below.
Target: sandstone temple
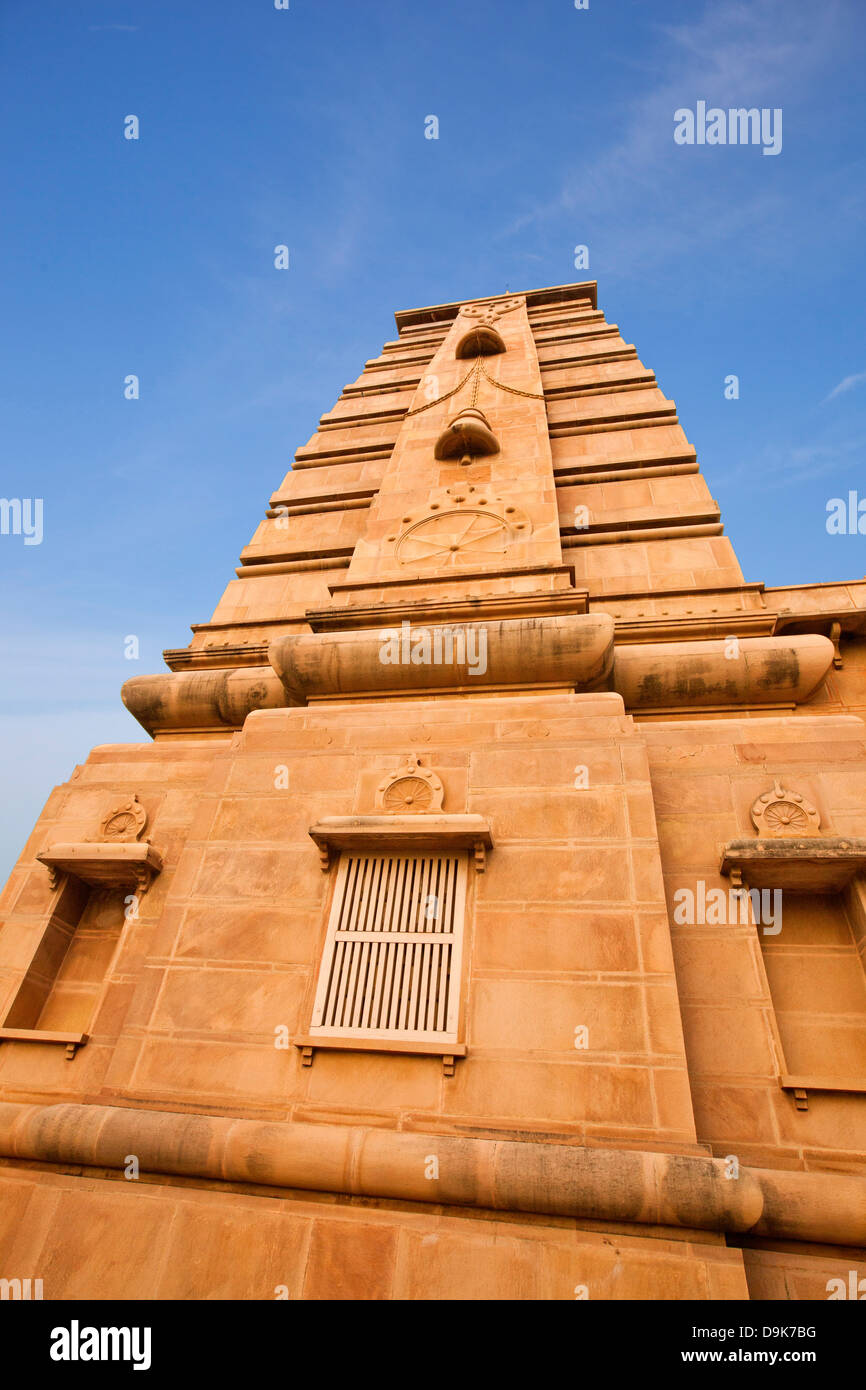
(482, 914)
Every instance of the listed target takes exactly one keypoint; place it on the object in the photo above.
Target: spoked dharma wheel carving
(453, 539)
(411, 790)
(409, 795)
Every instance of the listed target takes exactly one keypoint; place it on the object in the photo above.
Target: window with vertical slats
(391, 966)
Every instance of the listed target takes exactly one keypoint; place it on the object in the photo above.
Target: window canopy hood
(415, 833)
(808, 865)
(129, 865)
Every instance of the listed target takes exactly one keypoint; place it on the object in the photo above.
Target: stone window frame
(464, 838)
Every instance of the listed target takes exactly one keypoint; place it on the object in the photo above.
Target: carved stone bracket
(836, 639)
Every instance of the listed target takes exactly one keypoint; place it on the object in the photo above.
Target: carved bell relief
(413, 790)
(780, 813)
(467, 435)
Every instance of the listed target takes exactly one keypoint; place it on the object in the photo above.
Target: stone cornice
(556, 294)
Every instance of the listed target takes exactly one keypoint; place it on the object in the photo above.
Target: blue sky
(306, 127)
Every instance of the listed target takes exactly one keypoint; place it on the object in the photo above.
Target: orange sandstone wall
(571, 926)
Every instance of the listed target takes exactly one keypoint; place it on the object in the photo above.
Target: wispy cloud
(846, 384)
(648, 199)
(781, 466)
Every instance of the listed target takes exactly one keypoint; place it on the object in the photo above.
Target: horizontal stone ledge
(458, 579)
(624, 419)
(360, 420)
(229, 654)
(352, 453)
(602, 386)
(661, 527)
(329, 502)
(750, 595)
(706, 627)
(252, 556)
(574, 650)
(584, 478)
(378, 388)
(541, 603)
(362, 495)
(642, 533)
(636, 422)
(603, 356)
(268, 559)
(359, 423)
(338, 562)
(578, 333)
(758, 670)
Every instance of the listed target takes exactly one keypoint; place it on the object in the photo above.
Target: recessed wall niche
(96, 886)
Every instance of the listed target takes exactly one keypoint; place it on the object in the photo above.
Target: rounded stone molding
(574, 649)
(211, 699)
(699, 674)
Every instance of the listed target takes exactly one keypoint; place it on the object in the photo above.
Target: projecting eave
(554, 294)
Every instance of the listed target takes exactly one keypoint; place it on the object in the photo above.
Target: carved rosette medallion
(412, 790)
(782, 813)
(125, 823)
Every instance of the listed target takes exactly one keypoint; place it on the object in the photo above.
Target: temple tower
(493, 866)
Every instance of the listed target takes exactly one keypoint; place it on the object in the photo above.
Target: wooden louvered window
(391, 965)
